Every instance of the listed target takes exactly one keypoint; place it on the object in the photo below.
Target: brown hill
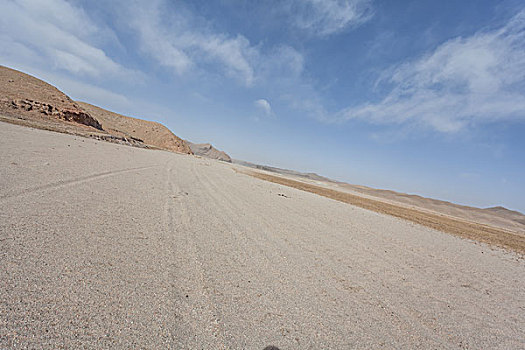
(497, 216)
(208, 151)
(150, 133)
(32, 99)
(29, 101)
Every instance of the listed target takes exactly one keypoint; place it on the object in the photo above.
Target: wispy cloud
(187, 43)
(180, 43)
(55, 33)
(64, 37)
(325, 17)
(465, 81)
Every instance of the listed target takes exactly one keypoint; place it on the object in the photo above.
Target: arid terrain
(160, 245)
(509, 239)
(497, 217)
(109, 246)
(150, 133)
(29, 100)
(26, 100)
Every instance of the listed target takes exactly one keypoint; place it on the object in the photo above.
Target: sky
(423, 96)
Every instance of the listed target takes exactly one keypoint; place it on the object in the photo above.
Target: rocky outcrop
(208, 151)
(30, 98)
(71, 114)
(33, 102)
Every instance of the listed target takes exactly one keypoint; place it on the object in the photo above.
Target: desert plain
(104, 245)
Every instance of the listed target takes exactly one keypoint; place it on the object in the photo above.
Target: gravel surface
(108, 246)
(462, 227)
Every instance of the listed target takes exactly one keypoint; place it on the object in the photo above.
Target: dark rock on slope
(31, 98)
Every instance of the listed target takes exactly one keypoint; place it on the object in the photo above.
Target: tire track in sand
(194, 304)
(79, 180)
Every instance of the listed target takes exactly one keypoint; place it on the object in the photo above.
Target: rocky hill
(208, 151)
(29, 98)
(29, 101)
(151, 133)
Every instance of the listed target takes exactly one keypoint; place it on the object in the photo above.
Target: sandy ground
(108, 246)
(511, 240)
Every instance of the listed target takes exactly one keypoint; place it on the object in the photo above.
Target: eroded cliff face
(72, 113)
(31, 98)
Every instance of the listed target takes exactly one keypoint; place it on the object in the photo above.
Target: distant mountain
(311, 176)
(510, 214)
(496, 216)
(208, 151)
(29, 101)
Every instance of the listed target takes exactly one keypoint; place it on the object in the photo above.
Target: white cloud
(463, 82)
(264, 106)
(325, 17)
(184, 42)
(62, 36)
(155, 39)
(56, 33)
(234, 53)
(179, 42)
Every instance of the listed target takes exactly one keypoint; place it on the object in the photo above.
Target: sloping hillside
(29, 101)
(29, 98)
(497, 216)
(150, 133)
(208, 151)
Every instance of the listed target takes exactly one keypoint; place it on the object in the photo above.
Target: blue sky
(423, 97)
